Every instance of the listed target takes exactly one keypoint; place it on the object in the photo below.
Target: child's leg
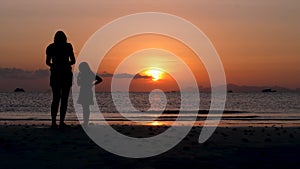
(86, 114)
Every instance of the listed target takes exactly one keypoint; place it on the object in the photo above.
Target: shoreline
(228, 119)
(223, 123)
(34, 146)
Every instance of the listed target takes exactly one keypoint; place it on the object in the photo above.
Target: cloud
(139, 76)
(15, 73)
(124, 75)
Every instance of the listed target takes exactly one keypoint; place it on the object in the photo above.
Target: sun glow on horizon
(156, 74)
(155, 123)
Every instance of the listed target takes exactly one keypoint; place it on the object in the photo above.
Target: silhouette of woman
(60, 57)
(86, 79)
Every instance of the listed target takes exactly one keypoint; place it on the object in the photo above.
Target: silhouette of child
(86, 80)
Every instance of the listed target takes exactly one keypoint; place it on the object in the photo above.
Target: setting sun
(156, 74)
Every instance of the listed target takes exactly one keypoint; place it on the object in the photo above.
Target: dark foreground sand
(70, 148)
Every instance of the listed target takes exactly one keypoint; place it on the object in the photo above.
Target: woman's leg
(86, 114)
(64, 103)
(56, 95)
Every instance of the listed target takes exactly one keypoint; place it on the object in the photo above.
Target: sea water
(278, 108)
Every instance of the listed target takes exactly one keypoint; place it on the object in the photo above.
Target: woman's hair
(60, 37)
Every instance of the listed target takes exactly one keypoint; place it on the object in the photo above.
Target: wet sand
(38, 146)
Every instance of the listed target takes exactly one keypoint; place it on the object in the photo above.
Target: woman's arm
(72, 57)
(48, 57)
(48, 60)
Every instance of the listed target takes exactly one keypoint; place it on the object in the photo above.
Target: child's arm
(97, 80)
(79, 79)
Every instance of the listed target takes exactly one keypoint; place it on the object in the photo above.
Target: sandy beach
(39, 146)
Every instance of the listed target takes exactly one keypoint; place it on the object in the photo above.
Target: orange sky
(154, 58)
(258, 41)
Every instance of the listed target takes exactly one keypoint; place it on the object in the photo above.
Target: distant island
(19, 90)
(233, 88)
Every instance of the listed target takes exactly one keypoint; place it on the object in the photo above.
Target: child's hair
(84, 67)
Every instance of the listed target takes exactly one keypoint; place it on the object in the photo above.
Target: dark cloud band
(15, 73)
(125, 75)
